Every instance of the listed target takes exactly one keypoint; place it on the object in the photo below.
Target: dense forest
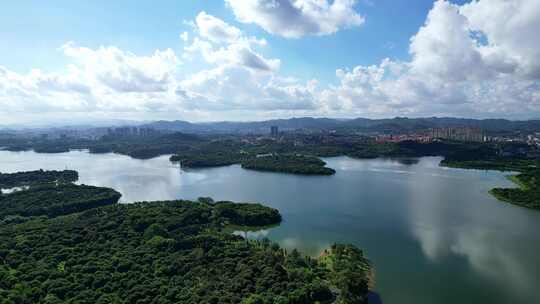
(158, 252)
(218, 150)
(161, 252)
(134, 146)
(234, 151)
(216, 159)
(53, 200)
(528, 193)
(349, 271)
(296, 164)
(246, 214)
(20, 179)
(287, 163)
(303, 159)
(145, 147)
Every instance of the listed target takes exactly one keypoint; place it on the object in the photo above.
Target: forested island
(49, 193)
(287, 163)
(196, 151)
(203, 160)
(296, 164)
(159, 252)
(53, 200)
(21, 179)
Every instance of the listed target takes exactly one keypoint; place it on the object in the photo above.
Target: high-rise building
(274, 131)
(459, 133)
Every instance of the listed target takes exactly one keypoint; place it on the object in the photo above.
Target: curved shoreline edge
(524, 195)
(162, 233)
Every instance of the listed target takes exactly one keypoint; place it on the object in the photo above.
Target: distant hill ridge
(391, 124)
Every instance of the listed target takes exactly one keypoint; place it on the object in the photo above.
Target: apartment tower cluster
(459, 133)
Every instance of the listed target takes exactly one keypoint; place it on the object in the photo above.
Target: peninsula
(165, 251)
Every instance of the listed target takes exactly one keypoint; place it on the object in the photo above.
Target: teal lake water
(434, 234)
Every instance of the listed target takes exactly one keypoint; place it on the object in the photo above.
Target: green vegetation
(161, 252)
(78, 246)
(374, 150)
(289, 163)
(469, 155)
(243, 214)
(141, 147)
(217, 159)
(194, 151)
(228, 152)
(303, 159)
(528, 193)
(349, 271)
(499, 164)
(40, 147)
(214, 153)
(53, 200)
(144, 147)
(207, 151)
(296, 164)
(52, 149)
(20, 179)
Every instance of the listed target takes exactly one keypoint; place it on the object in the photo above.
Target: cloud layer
(465, 60)
(297, 18)
(481, 59)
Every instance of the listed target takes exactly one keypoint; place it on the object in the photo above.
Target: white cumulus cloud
(480, 59)
(123, 71)
(220, 43)
(215, 29)
(240, 78)
(297, 18)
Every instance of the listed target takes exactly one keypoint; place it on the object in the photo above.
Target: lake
(434, 234)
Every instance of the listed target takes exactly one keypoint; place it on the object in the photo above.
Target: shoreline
(513, 176)
(372, 279)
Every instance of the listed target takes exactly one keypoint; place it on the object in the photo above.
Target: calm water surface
(434, 234)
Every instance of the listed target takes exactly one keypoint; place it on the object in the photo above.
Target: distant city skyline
(252, 60)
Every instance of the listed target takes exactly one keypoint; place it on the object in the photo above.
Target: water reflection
(473, 225)
(408, 161)
(434, 234)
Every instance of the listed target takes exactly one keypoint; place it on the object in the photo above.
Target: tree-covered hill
(362, 124)
(526, 195)
(20, 179)
(160, 252)
(245, 214)
(291, 163)
(53, 200)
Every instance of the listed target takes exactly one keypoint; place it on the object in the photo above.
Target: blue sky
(35, 30)
(32, 34)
